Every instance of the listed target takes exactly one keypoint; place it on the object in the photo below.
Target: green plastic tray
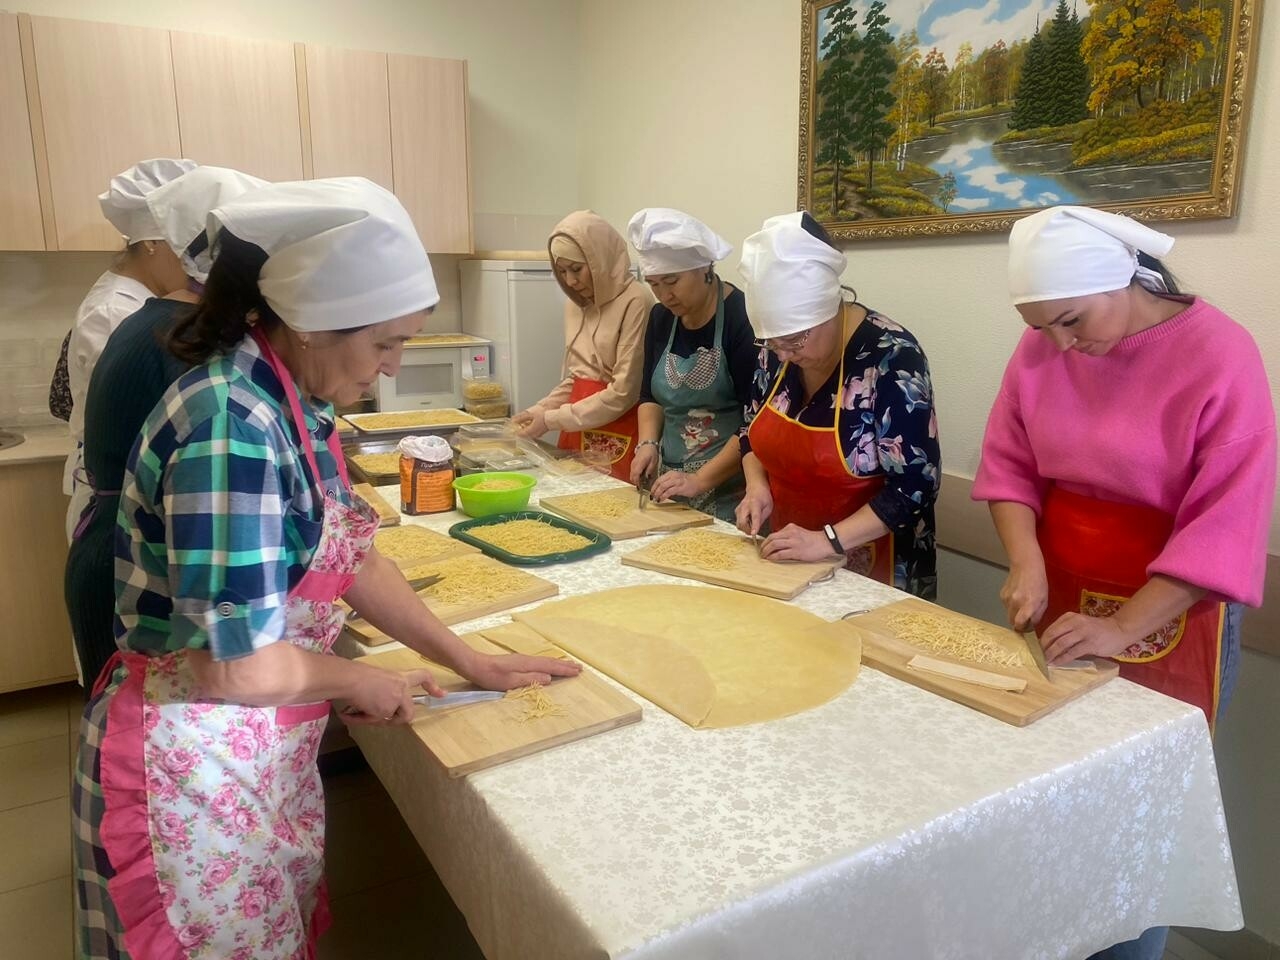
(599, 542)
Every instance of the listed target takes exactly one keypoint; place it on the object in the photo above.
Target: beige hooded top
(604, 338)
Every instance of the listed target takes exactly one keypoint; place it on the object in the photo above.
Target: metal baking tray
(360, 421)
(358, 473)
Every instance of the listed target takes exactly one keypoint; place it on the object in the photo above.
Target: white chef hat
(125, 202)
(670, 241)
(791, 278)
(1069, 251)
(341, 252)
(181, 208)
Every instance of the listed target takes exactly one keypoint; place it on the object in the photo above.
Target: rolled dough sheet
(713, 658)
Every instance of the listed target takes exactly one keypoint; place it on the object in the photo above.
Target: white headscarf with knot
(125, 202)
(791, 279)
(341, 252)
(670, 241)
(1066, 251)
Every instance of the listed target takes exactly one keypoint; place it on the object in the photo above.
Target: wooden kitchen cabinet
(35, 645)
(20, 225)
(238, 104)
(429, 148)
(106, 101)
(350, 113)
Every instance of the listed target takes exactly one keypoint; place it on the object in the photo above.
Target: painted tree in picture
(950, 106)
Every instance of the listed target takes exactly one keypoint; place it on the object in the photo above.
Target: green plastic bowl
(482, 503)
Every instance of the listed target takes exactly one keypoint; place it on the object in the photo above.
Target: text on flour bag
(426, 475)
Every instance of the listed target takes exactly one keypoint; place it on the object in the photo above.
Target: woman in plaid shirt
(199, 815)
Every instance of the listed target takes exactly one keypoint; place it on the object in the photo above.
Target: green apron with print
(700, 412)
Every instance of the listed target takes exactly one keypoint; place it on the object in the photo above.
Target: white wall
(696, 106)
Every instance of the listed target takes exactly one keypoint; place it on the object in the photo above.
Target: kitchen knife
(1037, 652)
(458, 698)
(643, 486)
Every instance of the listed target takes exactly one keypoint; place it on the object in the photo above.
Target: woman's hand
(385, 696)
(509, 671)
(531, 423)
(1076, 635)
(676, 483)
(755, 508)
(796, 543)
(1025, 594)
(644, 463)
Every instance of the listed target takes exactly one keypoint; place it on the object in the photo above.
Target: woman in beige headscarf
(594, 406)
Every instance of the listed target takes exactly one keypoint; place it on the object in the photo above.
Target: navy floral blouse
(888, 427)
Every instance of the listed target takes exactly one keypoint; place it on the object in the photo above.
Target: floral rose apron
(214, 813)
(613, 442)
(811, 482)
(1096, 554)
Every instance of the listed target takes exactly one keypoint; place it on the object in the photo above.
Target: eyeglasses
(792, 344)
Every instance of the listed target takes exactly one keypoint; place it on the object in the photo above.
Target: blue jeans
(1150, 946)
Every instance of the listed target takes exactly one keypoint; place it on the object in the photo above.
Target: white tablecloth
(889, 823)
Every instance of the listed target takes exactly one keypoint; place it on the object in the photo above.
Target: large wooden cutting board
(635, 522)
(528, 588)
(388, 516)
(882, 650)
(750, 572)
(482, 735)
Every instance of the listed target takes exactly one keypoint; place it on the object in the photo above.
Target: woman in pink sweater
(1129, 459)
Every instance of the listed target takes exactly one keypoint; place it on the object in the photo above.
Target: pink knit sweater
(1177, 417)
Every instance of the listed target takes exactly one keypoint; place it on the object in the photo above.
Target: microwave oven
(431, 373)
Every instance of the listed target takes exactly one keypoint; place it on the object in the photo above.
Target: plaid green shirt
(218, 516)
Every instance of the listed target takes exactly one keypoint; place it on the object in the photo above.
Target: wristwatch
(836, 545)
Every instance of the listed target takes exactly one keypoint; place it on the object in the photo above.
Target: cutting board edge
(533, 595)
(528, 750)
(710, 577)
(602, 526)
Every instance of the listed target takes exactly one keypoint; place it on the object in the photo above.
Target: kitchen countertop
(42, 443)
(888, 818)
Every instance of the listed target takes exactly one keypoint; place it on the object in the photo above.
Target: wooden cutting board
(527, 588)
(482, 735)
(750, 573)
(388, 516)
(635, 522)
(882, 650)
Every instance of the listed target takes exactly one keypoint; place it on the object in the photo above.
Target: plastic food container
(483, 503)
(487, 409)
(482, 388)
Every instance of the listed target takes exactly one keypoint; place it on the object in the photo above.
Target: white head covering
(341, 252)
(669, 241)
(181, 211)
(125, 202)
(791, 278)
(1067, 251)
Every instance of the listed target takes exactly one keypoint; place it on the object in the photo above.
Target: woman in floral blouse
(841, 449)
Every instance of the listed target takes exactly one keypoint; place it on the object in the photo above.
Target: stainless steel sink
(9, 438)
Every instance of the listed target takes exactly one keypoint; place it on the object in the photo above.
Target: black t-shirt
(739, 344)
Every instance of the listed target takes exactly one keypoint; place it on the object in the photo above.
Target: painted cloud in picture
(944, 116)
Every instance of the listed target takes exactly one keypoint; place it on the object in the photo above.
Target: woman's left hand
(509, 671)
(532, 423)
(796, 543)
(1076, 635)
(675, 483)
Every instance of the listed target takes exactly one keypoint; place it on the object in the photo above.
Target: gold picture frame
(1166, 146)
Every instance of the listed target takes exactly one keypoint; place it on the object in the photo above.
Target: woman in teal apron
(699, 362)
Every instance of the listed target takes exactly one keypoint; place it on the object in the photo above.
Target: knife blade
(458, 698)
(1037, 652)
(642, 485)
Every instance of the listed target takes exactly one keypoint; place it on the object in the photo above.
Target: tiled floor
(387, 901)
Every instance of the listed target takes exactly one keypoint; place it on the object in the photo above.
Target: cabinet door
(35, 645)
(350, 111)
(429, 148)
(238, 104)
(107, 101)
(20, 225)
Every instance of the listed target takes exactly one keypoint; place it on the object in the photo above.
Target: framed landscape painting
(936, 117)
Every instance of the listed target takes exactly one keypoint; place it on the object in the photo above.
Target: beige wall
(696, 106)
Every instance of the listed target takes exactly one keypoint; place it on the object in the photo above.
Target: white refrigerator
(519, 306)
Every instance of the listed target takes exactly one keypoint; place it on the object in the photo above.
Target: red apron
(1096, 554)
(614, 442)
(811, 483)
